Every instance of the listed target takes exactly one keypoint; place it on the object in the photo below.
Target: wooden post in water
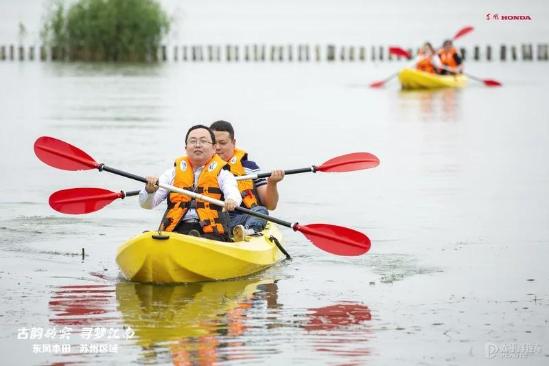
(228, 53)
(318, 53)
(184, 55)
(31, 53)
(543, 54)
(54, 54)
(488, 53)
(503, 53)
(352, 54)
(380, 53)
(389, 56)
(246, 53)
(164, 53)
(210, 51)
(373, 53)
(12, 53)
(342, 53)
(462, 53)
(43, 54)
(290, 52)
(514, 53)
(476, 53)
(3, 53)
(21, 53)
(330, 53)
(527, 52)
(175, 53)
(362, 53)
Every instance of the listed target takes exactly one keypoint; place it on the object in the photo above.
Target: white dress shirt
(225, 179)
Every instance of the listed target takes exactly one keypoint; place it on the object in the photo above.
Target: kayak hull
(412, 79)
(168, 258)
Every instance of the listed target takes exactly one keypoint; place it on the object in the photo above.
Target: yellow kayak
(415, 79)
(168, 258)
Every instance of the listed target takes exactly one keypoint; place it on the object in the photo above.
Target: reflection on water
(337, 316)
(82, 305)
(205, 323)
(193, 322)
(430, 105)
(341, 331)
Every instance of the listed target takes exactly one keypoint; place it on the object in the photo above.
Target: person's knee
(260, 209)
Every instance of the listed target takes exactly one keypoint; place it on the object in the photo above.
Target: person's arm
(150, 200)
(227, 184)
(268, 193)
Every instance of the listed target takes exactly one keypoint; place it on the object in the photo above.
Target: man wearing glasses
(201, 171)
(258, 195)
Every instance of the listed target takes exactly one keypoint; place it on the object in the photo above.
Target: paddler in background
(427, 59)
(259, 195)
(201, 171)
(450, 59)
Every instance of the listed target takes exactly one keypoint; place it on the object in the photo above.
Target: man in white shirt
(201, 171)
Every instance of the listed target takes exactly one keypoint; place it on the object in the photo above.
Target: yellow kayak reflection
(188, 318)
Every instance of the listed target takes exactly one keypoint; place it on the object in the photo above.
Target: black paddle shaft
(290, 171)
(264, 217)
(122, 173)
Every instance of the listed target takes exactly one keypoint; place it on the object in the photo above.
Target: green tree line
(106, 30)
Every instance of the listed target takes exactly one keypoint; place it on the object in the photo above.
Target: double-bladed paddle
(334, 239)
(339, 164)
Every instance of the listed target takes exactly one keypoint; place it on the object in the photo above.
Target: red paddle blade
(337, 316)
(489, 82)
(82, 200)
(350, 162)
(377, 84)
(335, 239)
(397, 51)
(61, 155)
(463, 31)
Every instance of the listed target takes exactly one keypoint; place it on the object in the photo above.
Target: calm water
(457, 211)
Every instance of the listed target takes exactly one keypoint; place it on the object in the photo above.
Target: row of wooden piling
(282, 53)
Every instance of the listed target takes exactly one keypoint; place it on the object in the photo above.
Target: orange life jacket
(425, 63)
(246, 187)
(179, 204)
(447, 58)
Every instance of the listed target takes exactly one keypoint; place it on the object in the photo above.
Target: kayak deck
(167, 257)
(415, 79)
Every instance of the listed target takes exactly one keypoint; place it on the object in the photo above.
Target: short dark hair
(196, 127)
(223, 126)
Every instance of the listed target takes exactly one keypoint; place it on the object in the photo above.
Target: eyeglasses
(195, 142)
